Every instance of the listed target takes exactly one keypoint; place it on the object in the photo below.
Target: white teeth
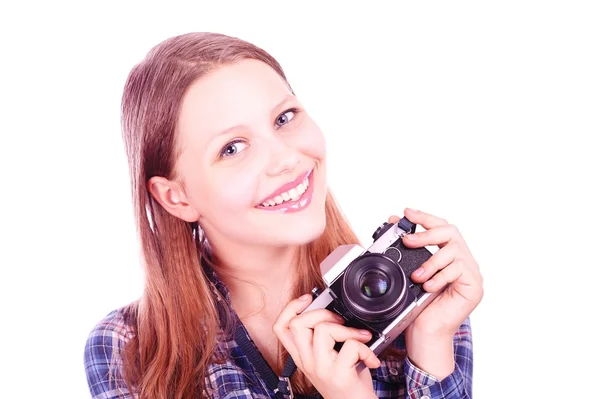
(290, 195)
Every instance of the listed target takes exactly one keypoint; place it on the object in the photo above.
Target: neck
(260, 280)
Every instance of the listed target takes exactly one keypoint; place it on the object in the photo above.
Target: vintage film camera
(372, 288)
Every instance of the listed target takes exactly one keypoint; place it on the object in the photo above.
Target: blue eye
(286, 117)
(233, 148)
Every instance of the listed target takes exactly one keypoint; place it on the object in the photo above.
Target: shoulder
(102, 350)
(113, 330)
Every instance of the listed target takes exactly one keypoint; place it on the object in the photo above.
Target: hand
(310, 338)
(433, 330)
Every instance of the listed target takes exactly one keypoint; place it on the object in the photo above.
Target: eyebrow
(287, 98)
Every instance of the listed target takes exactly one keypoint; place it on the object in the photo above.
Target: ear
(172, 197)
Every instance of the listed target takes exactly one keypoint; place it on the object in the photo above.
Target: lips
(286, 187)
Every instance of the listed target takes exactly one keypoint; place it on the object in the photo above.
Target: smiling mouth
(297, 191)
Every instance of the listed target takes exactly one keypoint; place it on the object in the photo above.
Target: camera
(371, 289)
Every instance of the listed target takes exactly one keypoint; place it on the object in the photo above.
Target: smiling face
(251, 164)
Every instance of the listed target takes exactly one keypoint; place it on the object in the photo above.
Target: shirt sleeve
(102, 361)
(458, 385)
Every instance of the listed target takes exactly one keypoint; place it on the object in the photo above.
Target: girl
(234, 217)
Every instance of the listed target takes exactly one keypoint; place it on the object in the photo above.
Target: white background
(486, 114)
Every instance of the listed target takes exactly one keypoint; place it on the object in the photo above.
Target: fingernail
(411, 237)
(429, 283)
(339, 318)
(418, 272)
(364, 332)
(413, 210)
(305, 297)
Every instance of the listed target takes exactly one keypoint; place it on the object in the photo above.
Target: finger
(437, 261)
(325, 337)
(281, 326)
(301, 330)
(439, 236)
(451, 273)
(463, 283)
(424, 219)
(393, 219)
(354, 351)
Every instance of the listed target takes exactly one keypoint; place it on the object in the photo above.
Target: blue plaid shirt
(237, 378)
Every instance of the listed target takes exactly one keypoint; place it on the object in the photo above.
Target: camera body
(371, 289)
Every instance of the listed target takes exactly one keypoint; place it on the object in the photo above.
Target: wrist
(431, 353)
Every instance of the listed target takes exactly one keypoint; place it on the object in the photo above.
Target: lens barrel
(374, 288)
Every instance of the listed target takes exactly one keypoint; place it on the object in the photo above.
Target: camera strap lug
(285, 388)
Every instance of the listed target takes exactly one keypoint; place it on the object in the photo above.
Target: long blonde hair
(170, 352)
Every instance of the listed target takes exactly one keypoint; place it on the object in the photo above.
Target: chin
(297, 230)
(308, 231)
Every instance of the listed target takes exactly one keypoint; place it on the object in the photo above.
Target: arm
(456, 385)
(438, 342)
(101, 360)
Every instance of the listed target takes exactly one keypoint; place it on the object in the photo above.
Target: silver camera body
(372, 288)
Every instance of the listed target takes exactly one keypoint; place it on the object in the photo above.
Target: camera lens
(374, 283)
(374, 288)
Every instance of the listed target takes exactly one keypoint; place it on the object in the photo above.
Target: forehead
(238, 93)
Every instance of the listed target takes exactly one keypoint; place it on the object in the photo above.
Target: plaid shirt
(238, 379)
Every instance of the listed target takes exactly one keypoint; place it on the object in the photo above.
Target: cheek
(311, 142)
(233, 190)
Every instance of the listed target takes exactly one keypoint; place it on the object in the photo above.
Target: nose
(284, 159)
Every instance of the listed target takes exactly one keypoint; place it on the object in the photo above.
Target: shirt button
(425, 397)
(393, 371)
